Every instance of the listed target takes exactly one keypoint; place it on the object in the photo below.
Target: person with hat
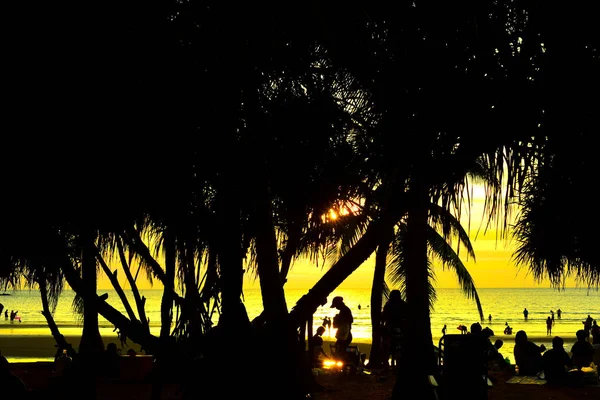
(343, 323)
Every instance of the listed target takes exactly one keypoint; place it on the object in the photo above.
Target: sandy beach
(38, 378)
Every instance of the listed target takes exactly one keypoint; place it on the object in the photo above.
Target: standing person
(6, 314)
(394, 318)
(558, 313)
(552, 315)
(343, 323)
(595, 333)
(327, 324)
(1, 307)
(548, 326)
(525, 313)
(490, 318)
(444, 330)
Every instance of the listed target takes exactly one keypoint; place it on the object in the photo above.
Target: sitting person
(112, 361)
(11, 385)
(316, 343)
(556, 363)
(582, 351)
(528, 355)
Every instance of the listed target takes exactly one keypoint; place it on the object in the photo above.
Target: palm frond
(441, 250)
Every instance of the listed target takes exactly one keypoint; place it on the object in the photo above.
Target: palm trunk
(233, 313)
(166, 305)
(418, 358)
(278, 332)
(91, 346)
(290, 249)
(91, 342)
(377, 359)
(112, 276)
(136, 332)
(139, 301)
(271, 287)
(61, 342)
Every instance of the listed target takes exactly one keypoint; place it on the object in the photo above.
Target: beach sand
(38, 378)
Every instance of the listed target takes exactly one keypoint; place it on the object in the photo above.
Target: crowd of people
(555, 365)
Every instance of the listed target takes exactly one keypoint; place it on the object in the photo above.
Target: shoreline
(33, 348)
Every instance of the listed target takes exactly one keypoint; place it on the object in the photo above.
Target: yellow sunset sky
(493, 267)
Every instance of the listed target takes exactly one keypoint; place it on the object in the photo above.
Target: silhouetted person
(552, 316)
(490, 318)
(507, 329)
(463, 329)
(316, 343)
(1, 308)
(556, 363)
(582, 352)
(359, 306)
(11, 386)
(343, 323)
(444, 330)
(558, 313)
(6, 315)
(112, 361)
(587, 324)
(327, 324)
(548, 326)
(525, 313)
(595, 331)
(528, 355)
(394, 319)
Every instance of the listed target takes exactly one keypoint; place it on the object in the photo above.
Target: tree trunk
(91, 342)
(418, 356)
(112, 276)
(290, 249)
(61, 342)
(233, 313)
(91, 346)
(377, 359)
(139, 302)
(135, 332)
(278, 332)
(166, 305)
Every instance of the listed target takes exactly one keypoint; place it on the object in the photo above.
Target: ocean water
(452, 308)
